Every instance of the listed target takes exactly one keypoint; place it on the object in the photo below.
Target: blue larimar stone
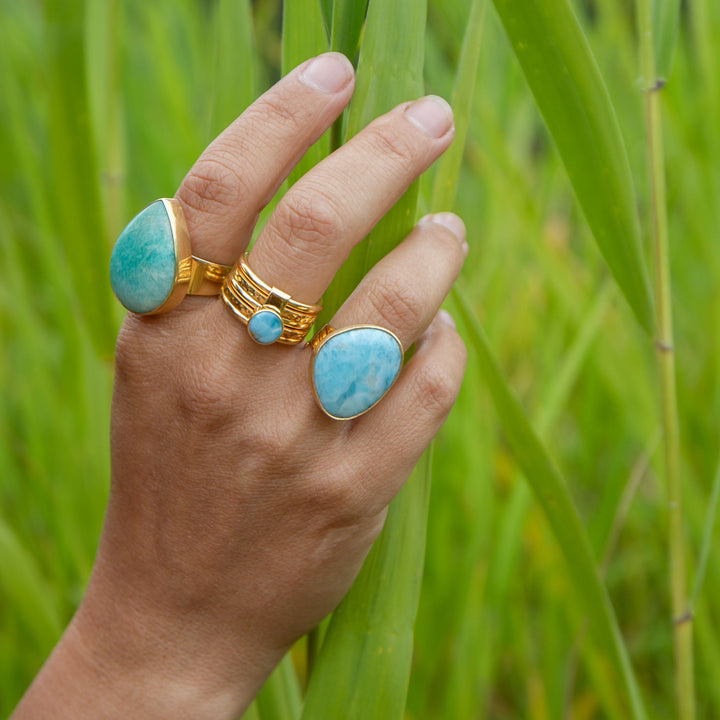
(142, 263)
(265, 327)
(354, 368)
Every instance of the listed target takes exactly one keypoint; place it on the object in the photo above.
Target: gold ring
(270, 314)
(152, 267)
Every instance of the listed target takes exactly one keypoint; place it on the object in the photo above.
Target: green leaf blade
(666, 19)
(363, 669)
(347, 21)
(303, 37)
(390, 70)
(446, 178)
(233, 88)
(280, 698)
(552, 494)
(23, 588)
(570, 92)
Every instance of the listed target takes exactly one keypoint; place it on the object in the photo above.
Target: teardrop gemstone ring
(152, 267)
(353, 368)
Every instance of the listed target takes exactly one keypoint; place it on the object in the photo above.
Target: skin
(239, 514)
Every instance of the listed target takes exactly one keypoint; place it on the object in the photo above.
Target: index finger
(239, 172)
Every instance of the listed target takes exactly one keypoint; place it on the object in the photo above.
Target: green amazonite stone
(142, 263)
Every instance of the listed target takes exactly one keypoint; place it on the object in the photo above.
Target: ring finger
(352, 367)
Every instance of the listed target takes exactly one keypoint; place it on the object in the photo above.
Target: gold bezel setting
(183, 255)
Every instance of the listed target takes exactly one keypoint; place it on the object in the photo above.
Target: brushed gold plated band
(195, 275)
(317, 339)
(246, 294)
(202, 276)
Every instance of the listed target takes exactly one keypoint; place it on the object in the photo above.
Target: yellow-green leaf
(552, 493)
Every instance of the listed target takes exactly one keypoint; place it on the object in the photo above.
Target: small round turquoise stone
(265, 327)
(142, 263)
(354, 368)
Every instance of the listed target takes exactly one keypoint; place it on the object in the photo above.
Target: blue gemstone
(142, 263)
(265, 327)
(354, 368)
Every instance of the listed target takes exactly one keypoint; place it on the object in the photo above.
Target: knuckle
(435, 389)
(211, 185)
(275, 109)
(400, 307)
(394, 147)
(340, 496)
(306, 221)
(201, 394)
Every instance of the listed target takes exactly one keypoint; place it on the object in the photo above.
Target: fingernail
(328, 73)
(431, 114)
(446, 318)
(453, 223)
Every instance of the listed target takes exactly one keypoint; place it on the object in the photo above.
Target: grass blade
(571, 94)
(77, 212)
(706, 544)
(103, 27)
(233, 87)
(390, 70)
(22, 587)
(279, 698)
(448, 168)
(666, 18)
(347, 20)
(363, 670)
(303, 36)
(553, 496)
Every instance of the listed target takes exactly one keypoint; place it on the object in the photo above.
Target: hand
(239, 514)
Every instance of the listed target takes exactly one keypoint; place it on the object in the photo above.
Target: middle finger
(338, 202)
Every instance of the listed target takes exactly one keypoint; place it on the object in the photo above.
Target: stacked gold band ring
(270, 314)
(152, 267)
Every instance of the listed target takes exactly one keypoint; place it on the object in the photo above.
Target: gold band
(246, 295)
(316, 340)
(202, 276)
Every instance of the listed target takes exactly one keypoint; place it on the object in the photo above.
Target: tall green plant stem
(682, 618)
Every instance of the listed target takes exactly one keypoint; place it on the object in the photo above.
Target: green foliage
(389, 71)
(552, 493)
(364, 666)
(106, 104)
(304, 36)
(571, 94)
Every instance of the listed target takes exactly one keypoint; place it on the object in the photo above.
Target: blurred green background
(105, 105)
